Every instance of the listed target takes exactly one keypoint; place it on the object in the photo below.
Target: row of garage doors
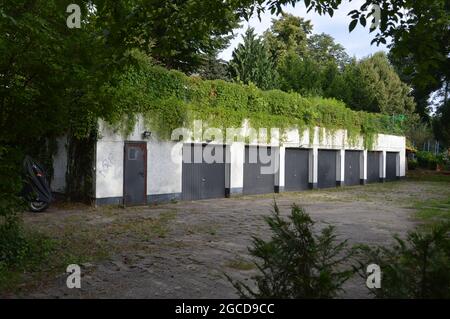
(204, 180)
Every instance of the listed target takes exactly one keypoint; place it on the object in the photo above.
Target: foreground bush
(418, 267)
(295, 263)
(20, 250)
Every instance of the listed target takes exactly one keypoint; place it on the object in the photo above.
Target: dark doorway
(201, 178)
(391, 166)
(255, 182)
(326, 174)
(352, 168)
(135, 174)
(296, 171)
(373, 167)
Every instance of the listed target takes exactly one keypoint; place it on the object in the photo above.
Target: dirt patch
(182, 250)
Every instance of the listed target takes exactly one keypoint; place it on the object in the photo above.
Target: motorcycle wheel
(38, 206)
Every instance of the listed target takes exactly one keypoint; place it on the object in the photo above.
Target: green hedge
(170, 99)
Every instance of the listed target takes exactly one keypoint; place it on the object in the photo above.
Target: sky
(357, 43)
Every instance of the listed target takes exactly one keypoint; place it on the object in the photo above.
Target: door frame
(125, 167)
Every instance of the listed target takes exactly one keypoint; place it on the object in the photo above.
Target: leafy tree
(323, 49)
(441, 121)
(306, 63)
(251, 62)
(302, 75)
(373, 85)
(295, 263)
(288, 34)
(419, 30)
(419, 133)
(179, 32)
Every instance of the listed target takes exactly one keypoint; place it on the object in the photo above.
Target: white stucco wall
(163, 173)
(164, 158)
(237, 165)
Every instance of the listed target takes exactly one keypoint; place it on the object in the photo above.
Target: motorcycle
(36, 191)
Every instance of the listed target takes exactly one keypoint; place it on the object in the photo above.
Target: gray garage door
(326, 175)
(255, 182)
(296, 169)
(373, 167)
(202, 180)
(352, 166)
(391, 166)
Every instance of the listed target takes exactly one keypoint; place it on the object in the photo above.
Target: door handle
(203, 180)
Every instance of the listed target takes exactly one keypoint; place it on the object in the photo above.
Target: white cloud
(357, 43)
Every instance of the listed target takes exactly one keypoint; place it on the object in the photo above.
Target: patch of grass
(428, 176)
(74, 240)
(152, 227)
(433, 211)
(240, 264)
(35, 255)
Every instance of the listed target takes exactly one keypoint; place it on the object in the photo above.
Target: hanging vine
(170, 99)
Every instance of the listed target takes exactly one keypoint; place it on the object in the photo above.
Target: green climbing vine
(169, 99)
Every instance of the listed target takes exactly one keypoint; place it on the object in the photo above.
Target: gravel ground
(182, 250)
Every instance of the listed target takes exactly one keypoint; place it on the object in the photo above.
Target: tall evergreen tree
(251, 62)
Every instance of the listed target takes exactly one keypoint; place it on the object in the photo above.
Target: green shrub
(428, 160)
(418, 267)
(20, 250)
(412, 164)
(296, 263)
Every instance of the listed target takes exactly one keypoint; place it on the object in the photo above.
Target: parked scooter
(36, 191)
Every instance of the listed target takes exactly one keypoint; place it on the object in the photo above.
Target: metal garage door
(255, 182)
(391, 166)
(326, 175)
(202, 180)
(373, 167)
(352, 166)
(296, 169)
